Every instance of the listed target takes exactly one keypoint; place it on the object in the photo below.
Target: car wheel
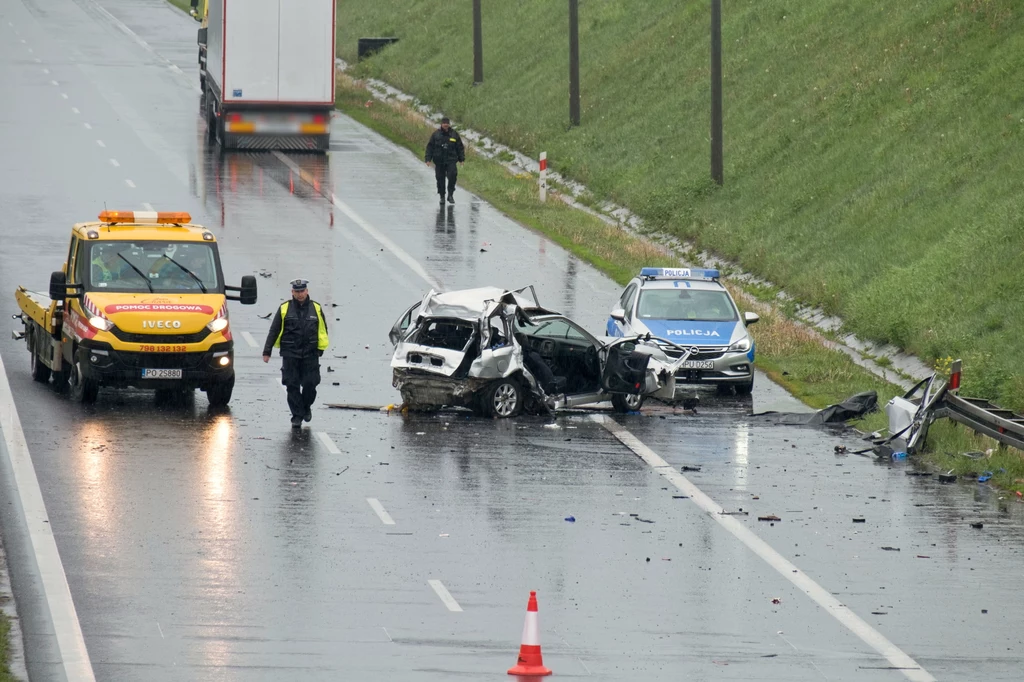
(503, 399)
(747, 388)
(724, 389)
(219, 394)
(81, 389)
(627, 402)
(40, 372)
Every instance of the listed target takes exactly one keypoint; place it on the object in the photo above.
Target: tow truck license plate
(161, 374)
(699, 364)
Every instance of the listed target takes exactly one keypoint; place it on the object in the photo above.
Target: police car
(690, 307)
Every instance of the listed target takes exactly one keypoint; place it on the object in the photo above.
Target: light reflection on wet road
(225, 547)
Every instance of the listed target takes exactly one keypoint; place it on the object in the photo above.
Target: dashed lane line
(381, 512)
(910, 668)
(56, 592)
(130, 183)
(250, 340)
(328, 443)
(445, 595)
(115, 163)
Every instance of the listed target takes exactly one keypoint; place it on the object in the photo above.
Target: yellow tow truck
(141, 301)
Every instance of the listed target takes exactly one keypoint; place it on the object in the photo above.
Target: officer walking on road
(300, 331)
(445, 150)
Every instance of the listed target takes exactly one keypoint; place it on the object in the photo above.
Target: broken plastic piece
(770, 517)
(859, 519)
(978, 524)
(947, 478)
(691, 467)
(570, 519)
(776, 600)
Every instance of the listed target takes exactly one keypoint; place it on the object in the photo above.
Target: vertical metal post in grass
(716, 92)
(478, 45)
(574, 62)
(543, 176)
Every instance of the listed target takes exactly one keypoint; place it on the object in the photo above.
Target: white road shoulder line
(249, 340)
(381, 238)
(130, 183)
(381, 512)
(445, 595)
(876, 640)
(328, 443)
(67, 629)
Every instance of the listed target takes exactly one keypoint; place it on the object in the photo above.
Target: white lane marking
(22, 41)
(130, 183)
(383, 239)
(445, 595)
(250, 340)
(46, 71)
(876, 640)
(381, 512)
(74, 110)
(387, 633)
(160, 629)
(101, 143)
(67, 629)
(121, 26)
(114, 163)
(38, 60)
(87, 126)
(64, 95)
(326, 440)
(54, 83)
(148, 206)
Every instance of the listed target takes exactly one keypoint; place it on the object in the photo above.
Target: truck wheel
(627, 402)
(81, 389)
(503, 399)
(219, 394)
(40, 372)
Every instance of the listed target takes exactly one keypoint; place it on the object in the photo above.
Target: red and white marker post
(543, 176)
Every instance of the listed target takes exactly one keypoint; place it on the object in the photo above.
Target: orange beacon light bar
(145, 217)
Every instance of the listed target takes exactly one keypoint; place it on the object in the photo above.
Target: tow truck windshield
(150, 266)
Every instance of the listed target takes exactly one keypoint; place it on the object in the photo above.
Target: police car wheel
(745, 389)
(627, 402)
(503, 399)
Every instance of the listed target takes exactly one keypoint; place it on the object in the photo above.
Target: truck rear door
(251, 50)
(306, 51)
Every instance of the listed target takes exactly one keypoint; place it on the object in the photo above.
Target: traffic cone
(530, 660)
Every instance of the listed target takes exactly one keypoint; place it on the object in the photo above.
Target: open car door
(637, 368)
(402, 325)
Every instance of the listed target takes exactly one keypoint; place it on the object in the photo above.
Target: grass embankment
(5, 671)
(873, 150)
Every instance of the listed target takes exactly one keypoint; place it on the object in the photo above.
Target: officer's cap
(299, 284)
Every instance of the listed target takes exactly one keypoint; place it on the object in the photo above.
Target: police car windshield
(141, 267)
(686, 304)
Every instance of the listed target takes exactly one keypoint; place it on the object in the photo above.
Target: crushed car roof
(472, 304)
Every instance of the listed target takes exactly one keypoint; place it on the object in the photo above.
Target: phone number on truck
(164, 349)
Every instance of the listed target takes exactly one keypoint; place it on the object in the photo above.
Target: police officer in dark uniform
(445, 149)
(300, 331)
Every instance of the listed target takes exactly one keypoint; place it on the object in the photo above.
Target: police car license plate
(699, 364)
(161, 374)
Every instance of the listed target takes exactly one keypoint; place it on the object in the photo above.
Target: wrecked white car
(499, 353)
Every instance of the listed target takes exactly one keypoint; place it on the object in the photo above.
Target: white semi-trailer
(268, 76)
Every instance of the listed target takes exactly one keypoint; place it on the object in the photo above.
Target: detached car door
(638, 369)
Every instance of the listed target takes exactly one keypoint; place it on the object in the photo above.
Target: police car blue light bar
(679, 273)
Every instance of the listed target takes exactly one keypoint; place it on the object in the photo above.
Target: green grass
(183, 5)
(5, 671)
(873, 150)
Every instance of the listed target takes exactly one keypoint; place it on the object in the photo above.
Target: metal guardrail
(940, 400)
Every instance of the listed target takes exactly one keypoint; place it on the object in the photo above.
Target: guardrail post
(543, 176)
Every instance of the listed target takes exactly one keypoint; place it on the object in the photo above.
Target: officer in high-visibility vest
(300, 331)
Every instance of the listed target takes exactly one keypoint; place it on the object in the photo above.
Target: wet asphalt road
(225, 547)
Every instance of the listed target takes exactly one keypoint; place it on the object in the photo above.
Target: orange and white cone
(530, 660)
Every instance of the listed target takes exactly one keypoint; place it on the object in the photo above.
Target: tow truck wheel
(627, 402)
(503, 399)
(219, 394)
(80, 388)
(40, 372)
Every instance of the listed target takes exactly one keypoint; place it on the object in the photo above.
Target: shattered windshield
(686, 304)
(152, 266)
